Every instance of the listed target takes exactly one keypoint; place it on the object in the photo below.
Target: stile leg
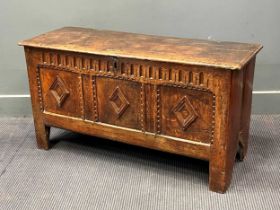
(220, 174)
(42, 135)
(42, 131)
(224, 148)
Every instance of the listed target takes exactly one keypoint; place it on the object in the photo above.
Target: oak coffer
(185, 96)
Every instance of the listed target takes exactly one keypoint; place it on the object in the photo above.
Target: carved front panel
(162, 98)
(60, 92)
(119, 102)
(186, 113)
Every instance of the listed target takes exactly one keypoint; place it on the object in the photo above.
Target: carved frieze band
(98, 65)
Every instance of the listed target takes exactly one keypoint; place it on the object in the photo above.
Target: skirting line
(257, 92)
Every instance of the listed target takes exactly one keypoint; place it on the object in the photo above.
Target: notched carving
(123, 68)
(59, 91)
(184, 112)
(119, 102)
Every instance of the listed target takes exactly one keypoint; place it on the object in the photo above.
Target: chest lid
(227, 55)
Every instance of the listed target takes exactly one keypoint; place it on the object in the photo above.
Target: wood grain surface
(228, 55)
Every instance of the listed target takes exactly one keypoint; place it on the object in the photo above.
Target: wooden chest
(184, 96)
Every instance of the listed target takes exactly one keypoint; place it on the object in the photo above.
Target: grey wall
(239, 20)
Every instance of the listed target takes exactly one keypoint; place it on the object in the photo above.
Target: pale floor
(82, 172)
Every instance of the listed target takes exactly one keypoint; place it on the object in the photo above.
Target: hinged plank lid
(228, 55)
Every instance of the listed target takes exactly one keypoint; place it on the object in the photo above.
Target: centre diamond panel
(119, 102)
(184, 112)
(59, 91)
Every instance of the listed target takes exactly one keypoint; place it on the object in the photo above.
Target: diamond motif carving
(119, 102)
(184, 112)
(59, 91)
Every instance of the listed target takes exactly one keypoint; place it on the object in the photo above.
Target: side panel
(246, 108)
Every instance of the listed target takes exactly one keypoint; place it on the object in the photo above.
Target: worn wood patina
(184, 96)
